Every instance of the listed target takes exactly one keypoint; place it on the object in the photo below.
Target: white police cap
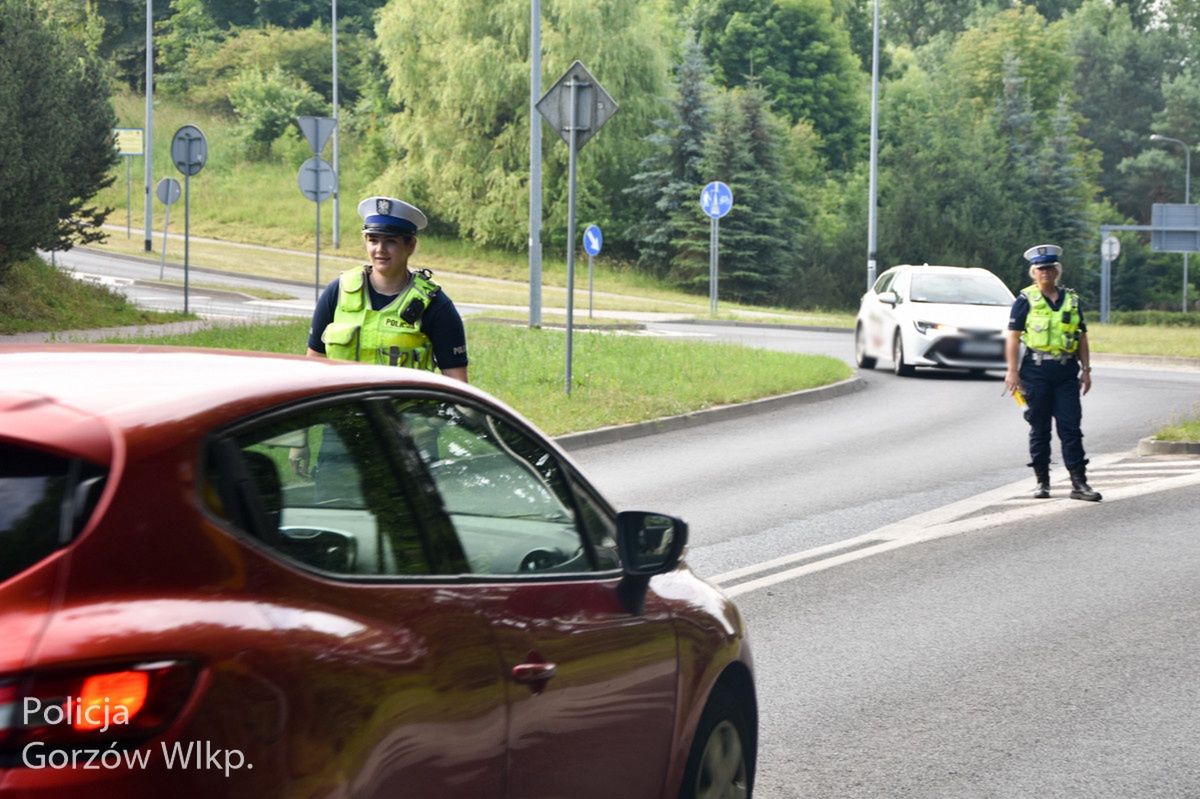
(390, 216)
(1043, 254)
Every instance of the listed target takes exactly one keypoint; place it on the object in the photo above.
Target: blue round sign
(593, 240)
(716, 199)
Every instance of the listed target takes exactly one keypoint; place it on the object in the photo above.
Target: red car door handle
(533, 672)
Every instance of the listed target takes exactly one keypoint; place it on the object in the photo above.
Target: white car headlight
(925, 328)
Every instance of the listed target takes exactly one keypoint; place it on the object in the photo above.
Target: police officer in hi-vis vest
(383, 313)
(1054, 371)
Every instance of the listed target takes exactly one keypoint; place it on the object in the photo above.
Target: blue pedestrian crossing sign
(593, 240)
(716, 199)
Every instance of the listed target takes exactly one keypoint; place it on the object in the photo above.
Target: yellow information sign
(130, 141)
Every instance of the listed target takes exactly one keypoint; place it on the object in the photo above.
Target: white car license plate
(981, 348)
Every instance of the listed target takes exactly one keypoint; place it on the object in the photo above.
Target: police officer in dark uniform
(383, 312)
(1055, 370)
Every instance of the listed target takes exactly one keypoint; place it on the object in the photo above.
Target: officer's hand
(1012, 381)
(298, 458)
(1085, 382)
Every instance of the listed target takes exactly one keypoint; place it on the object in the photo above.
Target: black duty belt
(1045, 357)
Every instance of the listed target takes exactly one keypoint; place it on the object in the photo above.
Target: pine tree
(57, 150)
(1064, 196)
(670, 175)
(745, 151)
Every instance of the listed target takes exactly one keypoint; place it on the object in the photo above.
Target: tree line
(1001, 125)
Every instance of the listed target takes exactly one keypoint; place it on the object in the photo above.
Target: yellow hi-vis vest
(391, 336)
(1048, 330)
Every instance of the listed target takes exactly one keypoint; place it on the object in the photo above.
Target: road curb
(127, 331)
(1154, 361)
(1152, 446)
(625, 432)
(760, 325)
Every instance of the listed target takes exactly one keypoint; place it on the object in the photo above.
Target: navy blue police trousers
(1052, 391)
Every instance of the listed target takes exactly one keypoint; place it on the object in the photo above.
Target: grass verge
(1176, 342)
(38, 297)
(616, 379)
(1186, 429)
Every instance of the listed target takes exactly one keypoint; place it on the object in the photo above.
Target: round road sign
(716, 199)
(189, 150)
(168, 191)
(317, 179)
(593, 240)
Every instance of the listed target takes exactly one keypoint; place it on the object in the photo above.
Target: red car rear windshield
(45, 500)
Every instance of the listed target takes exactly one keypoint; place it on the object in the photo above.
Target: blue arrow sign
(593, 240)
(716, 199)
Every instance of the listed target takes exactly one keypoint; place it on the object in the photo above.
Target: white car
(947, 316)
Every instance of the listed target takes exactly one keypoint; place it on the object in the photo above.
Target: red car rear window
(45, 500)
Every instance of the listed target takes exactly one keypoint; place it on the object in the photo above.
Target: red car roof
(138, 387)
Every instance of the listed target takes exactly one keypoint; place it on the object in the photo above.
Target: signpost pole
(149, 145)
(337, 235)
(712, 266)
(589, 285)
(129, 197)
(573, 84)
(187, 229)
(317, 276)
(162, 265)
(589, 107)
(535, 167)
(716, 258)
(716, 200)
(189, 151)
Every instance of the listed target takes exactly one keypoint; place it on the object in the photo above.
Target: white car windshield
(969, 288)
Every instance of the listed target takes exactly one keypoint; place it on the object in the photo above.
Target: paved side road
(607, 435)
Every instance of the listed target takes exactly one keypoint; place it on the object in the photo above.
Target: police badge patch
(383, 206)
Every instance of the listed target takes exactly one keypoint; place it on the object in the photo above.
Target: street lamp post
(1187, 198)
(872, 189)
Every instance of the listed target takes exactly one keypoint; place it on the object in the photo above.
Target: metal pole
(716, 264)
(162, 265)
(317, 277)
(187, 226)
(337, 236)
(712, 266)
(129, 196)
(1105, 271)
(871, 191)
(574, 85)
(149, 148)
(535, 167)
(589, 285)
(1187, 199)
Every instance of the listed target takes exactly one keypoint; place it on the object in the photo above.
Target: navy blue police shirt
(441, 322)
(1020, 310)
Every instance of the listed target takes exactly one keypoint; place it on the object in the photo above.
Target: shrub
(267, 104)
(1155, 318)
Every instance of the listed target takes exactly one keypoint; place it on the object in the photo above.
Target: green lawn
(617, 377)
(1178, 342)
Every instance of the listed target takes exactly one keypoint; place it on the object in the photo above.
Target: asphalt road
(920, 628)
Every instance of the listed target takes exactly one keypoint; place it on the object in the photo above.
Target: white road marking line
(950, 520)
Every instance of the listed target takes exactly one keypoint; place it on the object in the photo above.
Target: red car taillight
(101, 705)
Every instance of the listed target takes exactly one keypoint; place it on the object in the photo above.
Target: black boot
(1079, 487)
(1042, 473)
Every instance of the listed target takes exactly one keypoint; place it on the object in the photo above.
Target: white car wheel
(901, 368)
(861, 358)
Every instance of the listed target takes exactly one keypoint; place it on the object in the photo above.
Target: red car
(262, 576)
